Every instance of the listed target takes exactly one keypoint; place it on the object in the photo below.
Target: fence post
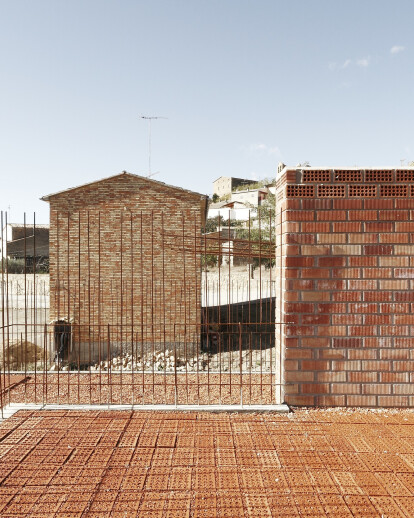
(241, 364)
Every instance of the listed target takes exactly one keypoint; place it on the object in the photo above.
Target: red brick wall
(123, 251)
(345, 260)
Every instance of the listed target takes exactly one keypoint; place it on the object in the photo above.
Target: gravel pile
(160, 361)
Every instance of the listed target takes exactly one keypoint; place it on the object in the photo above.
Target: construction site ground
(204, 388)
(121, 463)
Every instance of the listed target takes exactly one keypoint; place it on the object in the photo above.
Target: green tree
(213, 224)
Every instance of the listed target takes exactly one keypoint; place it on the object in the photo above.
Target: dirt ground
(316, 463)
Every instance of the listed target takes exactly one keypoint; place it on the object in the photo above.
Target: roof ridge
(145, 178)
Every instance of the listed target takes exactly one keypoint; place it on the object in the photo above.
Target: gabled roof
(218, 205)
(124, 173)
(224, 204)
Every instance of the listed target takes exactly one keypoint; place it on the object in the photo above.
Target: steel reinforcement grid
(140, 308)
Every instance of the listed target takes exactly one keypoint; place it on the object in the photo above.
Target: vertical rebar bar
(25, 297)
(163, 304)
(272, 312)
(81, 330)
(3, 307)
(99, 308)
(68, 270)
(56, 282)
(281, 302)
(175, 371)
(132, 308)
(7, 315)
(152, 307)
(122, 301)
(249, 334)
(241, 362)
(142, 308)
(89, 309)
(261, 370)
(34, 305)
(44, 378)
(109, 375)
(186, 314)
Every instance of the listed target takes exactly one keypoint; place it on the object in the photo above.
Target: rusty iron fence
(141, 312)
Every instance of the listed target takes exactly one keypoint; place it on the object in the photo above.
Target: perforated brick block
(392, 191)
(403, 175)
(379, 176)
(316, 176)
(300, 191)
(362, 191)
(347, 176)
(331, 191)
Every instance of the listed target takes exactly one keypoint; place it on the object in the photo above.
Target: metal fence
(180, 316)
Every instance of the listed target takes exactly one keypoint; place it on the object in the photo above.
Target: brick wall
(345, 275)
(126, 251)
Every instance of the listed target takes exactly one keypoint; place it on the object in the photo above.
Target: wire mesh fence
(141, 308)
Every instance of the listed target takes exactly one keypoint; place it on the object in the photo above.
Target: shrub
(13, 265)
(16, 265)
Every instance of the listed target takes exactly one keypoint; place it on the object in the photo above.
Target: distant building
(253, 197)
(20, 241)
(241, 204)
(225, 185)
(232, 210)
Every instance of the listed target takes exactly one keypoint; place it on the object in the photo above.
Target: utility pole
(150, 119)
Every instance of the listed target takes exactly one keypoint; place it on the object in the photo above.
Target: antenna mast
(150, 119)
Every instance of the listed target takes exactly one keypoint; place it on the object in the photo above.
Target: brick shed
(345, 259)
(125, 251)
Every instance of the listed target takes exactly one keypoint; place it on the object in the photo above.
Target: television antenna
(150, 119)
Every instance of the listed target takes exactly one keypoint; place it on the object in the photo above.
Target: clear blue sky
(244, 84)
